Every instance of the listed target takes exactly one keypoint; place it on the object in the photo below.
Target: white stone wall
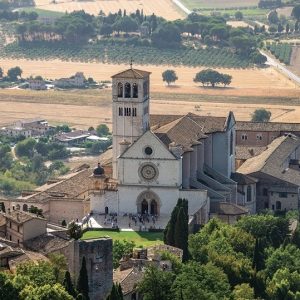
(109, 199)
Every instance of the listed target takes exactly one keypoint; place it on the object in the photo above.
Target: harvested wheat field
(162, 8)
(245, 82)
(82, 109)
(237, 24)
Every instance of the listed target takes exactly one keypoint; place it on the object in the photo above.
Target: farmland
(117, 53)
(281, 51)
(163, 8)
(218, 4)
(82, 109)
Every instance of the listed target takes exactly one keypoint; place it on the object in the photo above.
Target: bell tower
(130, 109)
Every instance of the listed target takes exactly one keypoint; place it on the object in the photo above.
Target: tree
(258, 58)
(243, 292)
(83, 282)
(25, 147)
(156, 284)
(198, 281)
(261, 115)
(181, 233)
(14, 73)
(258, 256)
(238, 15)
(209, 76)
(74, 230)
(106, 29)
(1, 72)
(169, 76)
(7, 289)
(273, 17)
(166, 36)
(59, 264)
(121, 249)
(296, 13)
(45, 292)
(68, 285)
(102, 130)
(116, 292)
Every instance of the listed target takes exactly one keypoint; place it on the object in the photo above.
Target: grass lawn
(139, 238)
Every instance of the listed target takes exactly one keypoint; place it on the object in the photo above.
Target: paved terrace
(128, 222)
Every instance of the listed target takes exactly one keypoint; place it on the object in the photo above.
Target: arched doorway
(153, 207)
(148, 202)
(144, 207)
(106, 210)
(25, 207)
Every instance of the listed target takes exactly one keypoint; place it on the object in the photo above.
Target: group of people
(142, 219)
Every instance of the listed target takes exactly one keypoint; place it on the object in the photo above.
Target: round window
(148, 150)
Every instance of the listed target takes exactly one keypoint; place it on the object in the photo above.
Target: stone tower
(130, 107)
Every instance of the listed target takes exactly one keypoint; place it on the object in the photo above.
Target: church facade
(157, 159)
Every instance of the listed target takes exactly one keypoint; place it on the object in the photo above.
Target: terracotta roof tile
(20, 217)
(267, 126)
(132, 74)
(274, 161)
(245, 152)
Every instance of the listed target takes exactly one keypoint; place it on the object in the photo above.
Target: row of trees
(256, 258)
(13, 74)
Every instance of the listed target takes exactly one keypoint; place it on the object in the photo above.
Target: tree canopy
(169, 76)
(261, 115)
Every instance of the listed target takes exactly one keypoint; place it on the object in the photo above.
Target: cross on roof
(131, 62)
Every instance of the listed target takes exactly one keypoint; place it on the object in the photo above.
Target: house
(65, 198)
(132, 269)
(21, 226)
(157, 159)
(252, 138)
(27, 128)
(277, 170)
(15, 131)
(36, 84)
(72, 138)
(76, 81)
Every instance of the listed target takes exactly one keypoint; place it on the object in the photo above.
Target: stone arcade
(159, 158)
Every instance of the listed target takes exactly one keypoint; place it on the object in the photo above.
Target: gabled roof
(132, 74)
(183, 131)
(21, 217)
(209, 124)
(227, 209)
(267, 126)
(243, 179)
(67, 186)
(245, 152)
(274, 161)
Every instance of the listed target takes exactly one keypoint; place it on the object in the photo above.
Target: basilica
(156, 159)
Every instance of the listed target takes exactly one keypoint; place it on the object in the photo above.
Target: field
(144, 239)
(163, 8)
(295, 60)
(216, 4)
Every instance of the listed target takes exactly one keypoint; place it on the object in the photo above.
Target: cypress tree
(83, 282)
(181, 233)
(258, 258)
(170, 229)
(120, 292)
(116, 292)
(68, 285)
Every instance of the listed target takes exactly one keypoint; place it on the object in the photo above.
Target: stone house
(252, 138)
(277, 170)
(76, 81)
(65, 198)
(22, 226)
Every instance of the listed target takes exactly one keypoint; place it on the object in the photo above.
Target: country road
(182, 6)
(272, 62)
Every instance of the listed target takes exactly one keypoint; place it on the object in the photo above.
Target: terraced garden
(119, 53)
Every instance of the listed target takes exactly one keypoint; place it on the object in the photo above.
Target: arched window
(25, 207)
(278, 205)
(127, 90)
(249, 194)
(106, 210)
(135, 91)
(120, 90)
(18, 207)
(145, 88)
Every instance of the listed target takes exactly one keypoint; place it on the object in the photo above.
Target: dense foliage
(261, 115)
(254, 259)
(282, 51)
(212, 77)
